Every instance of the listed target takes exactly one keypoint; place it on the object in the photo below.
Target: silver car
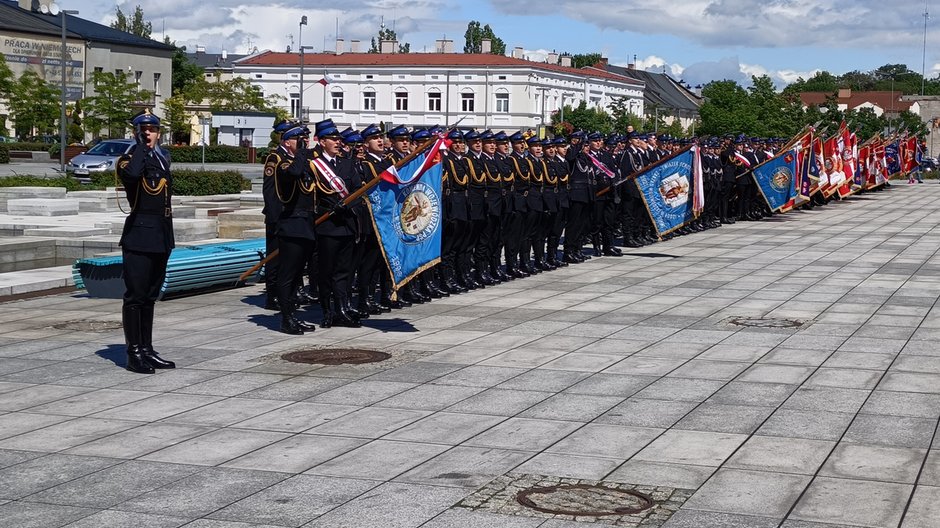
(97, 159)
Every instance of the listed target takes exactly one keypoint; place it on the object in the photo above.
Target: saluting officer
(296, 194)
(146, 241)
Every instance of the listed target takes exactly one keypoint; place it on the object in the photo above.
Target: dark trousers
(542, 229)
(367, 271)
(512, 237)
(453, 239)
(487, 242)
(603, 220)
(578, 220)
(335, 261)
(143, 277)
(467, 251)
(529, 232)
(728, 200)
(555, 231)
(293, 254)
(270, 268)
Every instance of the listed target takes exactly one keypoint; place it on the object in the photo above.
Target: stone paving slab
(632, 370)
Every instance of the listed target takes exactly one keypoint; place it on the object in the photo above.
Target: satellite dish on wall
(44, 9)
(53, 8)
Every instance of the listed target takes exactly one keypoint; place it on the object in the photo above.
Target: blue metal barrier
(190, 269)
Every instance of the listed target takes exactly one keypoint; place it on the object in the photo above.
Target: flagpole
(348, 200)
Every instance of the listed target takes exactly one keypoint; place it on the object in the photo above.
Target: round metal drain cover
(761, 322)
(89, 326)
(584, 500)
(336, 356)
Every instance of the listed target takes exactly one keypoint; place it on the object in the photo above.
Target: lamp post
(62, 131)
(300, 43)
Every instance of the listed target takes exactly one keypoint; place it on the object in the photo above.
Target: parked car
(99, 158)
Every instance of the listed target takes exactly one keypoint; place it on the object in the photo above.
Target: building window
(98, 69)
(368, 101)
(502, 103)
(156, 84)
(369, 76)
(401, 101)
(434, 102)
(295, 104)
(257, 75)
(466, 102)
(337, 98)
(501, 78)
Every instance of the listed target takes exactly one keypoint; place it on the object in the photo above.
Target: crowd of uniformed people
(514, 205)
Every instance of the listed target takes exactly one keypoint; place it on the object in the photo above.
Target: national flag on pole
(407, 216)
(327, 79)
(404, 177)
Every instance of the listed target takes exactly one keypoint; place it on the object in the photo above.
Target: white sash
(335, 181)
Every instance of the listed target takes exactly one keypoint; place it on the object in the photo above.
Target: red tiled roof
(886, 100)
(270, 58)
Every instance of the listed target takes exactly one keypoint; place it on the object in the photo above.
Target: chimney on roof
(388, 46)
(200, 49)
(354, 46)
(845, 93)
(602, 64)
(552, 58)
(224, 55)
(631, 66)
(444, 46)
(340, 46)
(518, 52)
(566, 61)
(486, 46)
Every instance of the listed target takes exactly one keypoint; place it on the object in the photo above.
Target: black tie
(333, 163)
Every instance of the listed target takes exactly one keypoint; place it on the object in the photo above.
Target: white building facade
(425, 89)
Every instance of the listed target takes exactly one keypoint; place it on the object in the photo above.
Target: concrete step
(20, 282)
(186, 230)
(66, 232)
(42, 206)
(49, 193)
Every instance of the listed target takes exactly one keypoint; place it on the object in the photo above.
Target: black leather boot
(146, 341)
(137, 362)
(327, 314)
(341, 316)
(289, 325)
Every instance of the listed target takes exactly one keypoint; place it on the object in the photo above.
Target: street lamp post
(62, 132)
(300, 42)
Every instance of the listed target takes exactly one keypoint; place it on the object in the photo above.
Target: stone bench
(42, 207)
(10, 193)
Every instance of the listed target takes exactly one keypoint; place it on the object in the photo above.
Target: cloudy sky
(695, 40)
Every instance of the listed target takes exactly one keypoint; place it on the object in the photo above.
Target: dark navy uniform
(146, 241)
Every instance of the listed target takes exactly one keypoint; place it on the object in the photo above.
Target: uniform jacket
(145, 174)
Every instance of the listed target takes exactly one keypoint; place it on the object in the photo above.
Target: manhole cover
(761, 322)
(584, 500)
(89, 326)
(336, 356)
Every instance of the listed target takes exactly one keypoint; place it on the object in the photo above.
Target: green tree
(474, 39)
(34, 104)
(581, 60)
(776, 115)
(388, 34)
(185, 71)
(177, 118)
(726, 110)
(113, 104)
(134, 25)
(584, 118)
(865, 123)
(7, 79)
(910, 122)
(233, 95)
(622, 117)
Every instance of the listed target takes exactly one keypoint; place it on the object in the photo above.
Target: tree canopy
(134, 25)
(474, 39)
(388, 34)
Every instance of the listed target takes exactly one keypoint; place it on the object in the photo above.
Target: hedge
(4, 153)
(191, 182)
(70, 184)
(214, 154)
(30, 146)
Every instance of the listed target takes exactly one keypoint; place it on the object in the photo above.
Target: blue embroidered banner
(408, 219)
(666, 188)
(776, 179)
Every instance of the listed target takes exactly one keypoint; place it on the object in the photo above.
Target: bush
(30, 146)
(214, 154)
(38, 181)
(102, 180)
(4, 153)
(190, 182)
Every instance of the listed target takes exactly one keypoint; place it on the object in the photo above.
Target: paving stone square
(633, 372)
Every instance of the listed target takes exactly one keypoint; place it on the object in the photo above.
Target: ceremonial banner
(776, 179)
(667, 188)
(406, 211)
(892, 159)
